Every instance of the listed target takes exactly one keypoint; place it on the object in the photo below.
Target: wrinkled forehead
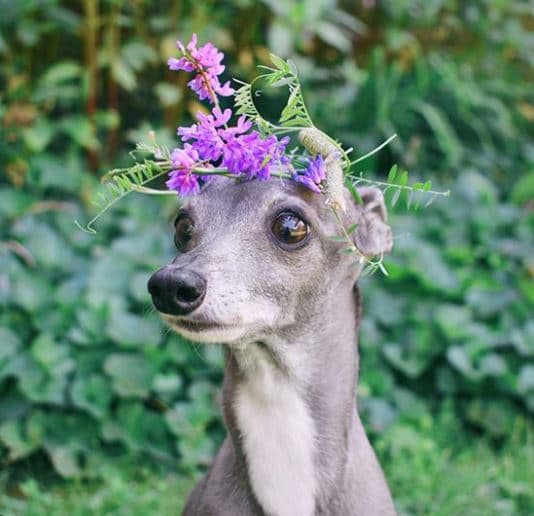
(228, 198)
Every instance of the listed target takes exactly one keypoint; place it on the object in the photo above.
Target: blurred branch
(21, 251)
(44, 206)
(91, 52)
(113, 90)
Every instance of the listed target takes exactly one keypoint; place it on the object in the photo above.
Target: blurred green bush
(87, 371)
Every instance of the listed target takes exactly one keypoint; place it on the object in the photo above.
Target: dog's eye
(184, 232)
(289, 228)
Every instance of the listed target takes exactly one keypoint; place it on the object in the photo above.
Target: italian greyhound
(258, 271)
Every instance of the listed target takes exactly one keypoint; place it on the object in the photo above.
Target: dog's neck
(289, 406)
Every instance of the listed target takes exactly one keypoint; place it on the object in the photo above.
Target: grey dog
(258, 272)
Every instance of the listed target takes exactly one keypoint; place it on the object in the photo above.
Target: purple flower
(243, 153)
(181, 178)
(206, 61)
(243, 125)
(251, 156)
(205, 135)
(313, 174)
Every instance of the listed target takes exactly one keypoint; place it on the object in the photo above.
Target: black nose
(176, 291)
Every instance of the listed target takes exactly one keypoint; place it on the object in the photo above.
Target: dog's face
(257, 257)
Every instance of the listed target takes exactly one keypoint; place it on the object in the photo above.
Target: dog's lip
(195, 325)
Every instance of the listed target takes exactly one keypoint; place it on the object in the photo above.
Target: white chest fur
(278, 438)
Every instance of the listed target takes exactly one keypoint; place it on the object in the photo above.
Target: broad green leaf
(92, 393)
(66, 461)
(80, 130)
(130, 330)
(131, 373)
(19, 438)
(9, 345)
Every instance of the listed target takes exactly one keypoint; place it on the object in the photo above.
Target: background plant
(88, 373)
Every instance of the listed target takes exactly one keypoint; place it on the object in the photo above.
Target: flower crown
(212, 146)
(251, 148)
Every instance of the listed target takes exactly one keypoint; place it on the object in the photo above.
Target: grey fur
(306, 304)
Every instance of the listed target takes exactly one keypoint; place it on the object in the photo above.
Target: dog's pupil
(289, 228)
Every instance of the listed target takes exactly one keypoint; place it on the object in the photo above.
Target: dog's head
(256, 257)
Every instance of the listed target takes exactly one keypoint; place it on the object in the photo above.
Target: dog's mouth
(196, 326)
(202, 330)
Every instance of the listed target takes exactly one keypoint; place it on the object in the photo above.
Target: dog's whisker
(148, 309)
(197, 352)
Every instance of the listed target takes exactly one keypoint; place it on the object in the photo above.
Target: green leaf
(525, 380)
(61, 72)
(443, 130)
(54, 358)
(352, 228)
(130, 330)
(66, 460)
(167, 385)
(9, 345)
(410, 198)
(39, 135)
(281, 82)
(92, 393)
(168, 95)
(332, 34)
(495, 416)
(392, 174)
(396, 196)
(20, 437)
(80, 130)
(353, 190)
(279, 63)
(31, 293)
(196, 450)
(289, 109)
(123, 73)
(132, 374)
(403, 180)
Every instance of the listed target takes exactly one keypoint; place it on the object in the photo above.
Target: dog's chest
(278, 437)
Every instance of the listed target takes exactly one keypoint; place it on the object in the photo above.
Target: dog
(258, 272)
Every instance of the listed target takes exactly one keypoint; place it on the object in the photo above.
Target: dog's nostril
(188, 294)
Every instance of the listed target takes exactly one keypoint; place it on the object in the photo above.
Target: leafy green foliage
(397, 185)
(427, 471)
(87, 372)
(84, 370)
(461, 327)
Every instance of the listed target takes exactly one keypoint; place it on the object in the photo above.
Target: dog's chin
(204, 332)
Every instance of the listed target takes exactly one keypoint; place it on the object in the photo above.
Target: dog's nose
(177, 291)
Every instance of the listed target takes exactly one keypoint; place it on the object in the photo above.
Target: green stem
(374, 151)
(375, 264)
(226, 173)
(205, 78)
(402, 187)
(345, 233)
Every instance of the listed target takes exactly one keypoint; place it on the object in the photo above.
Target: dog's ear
(373, 235)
